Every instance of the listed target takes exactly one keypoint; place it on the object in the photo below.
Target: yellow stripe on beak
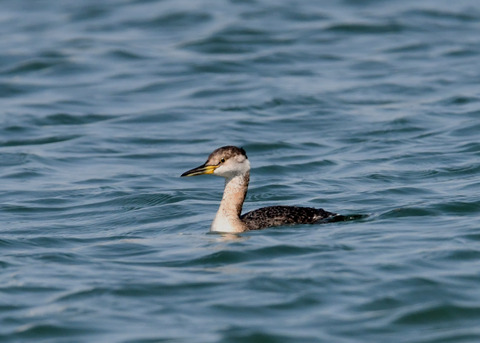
(203, 169)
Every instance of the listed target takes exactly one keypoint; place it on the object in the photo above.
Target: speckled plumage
(284, 215)
(232, 163)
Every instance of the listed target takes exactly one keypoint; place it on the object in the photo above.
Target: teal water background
(366, 107)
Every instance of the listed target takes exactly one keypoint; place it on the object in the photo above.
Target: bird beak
(203, 169)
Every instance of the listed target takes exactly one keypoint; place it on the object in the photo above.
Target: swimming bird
(232, 163)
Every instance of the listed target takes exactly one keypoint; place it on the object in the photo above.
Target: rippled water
(368, 107)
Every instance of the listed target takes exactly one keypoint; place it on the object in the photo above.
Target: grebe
(232, 163)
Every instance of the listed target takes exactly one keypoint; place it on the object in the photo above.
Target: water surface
(367, 107)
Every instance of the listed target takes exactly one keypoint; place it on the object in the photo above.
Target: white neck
(227, 218)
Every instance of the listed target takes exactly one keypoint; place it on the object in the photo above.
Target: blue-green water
(367, 107)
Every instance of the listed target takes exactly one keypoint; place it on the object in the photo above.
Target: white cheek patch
(245, 165)
(224, 169)
(235, 166)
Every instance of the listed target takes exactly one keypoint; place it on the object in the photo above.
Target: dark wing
(284, 215)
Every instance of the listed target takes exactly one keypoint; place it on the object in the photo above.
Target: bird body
(284, 215)
(232, 163)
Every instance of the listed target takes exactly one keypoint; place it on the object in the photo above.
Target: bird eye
(222, 160)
